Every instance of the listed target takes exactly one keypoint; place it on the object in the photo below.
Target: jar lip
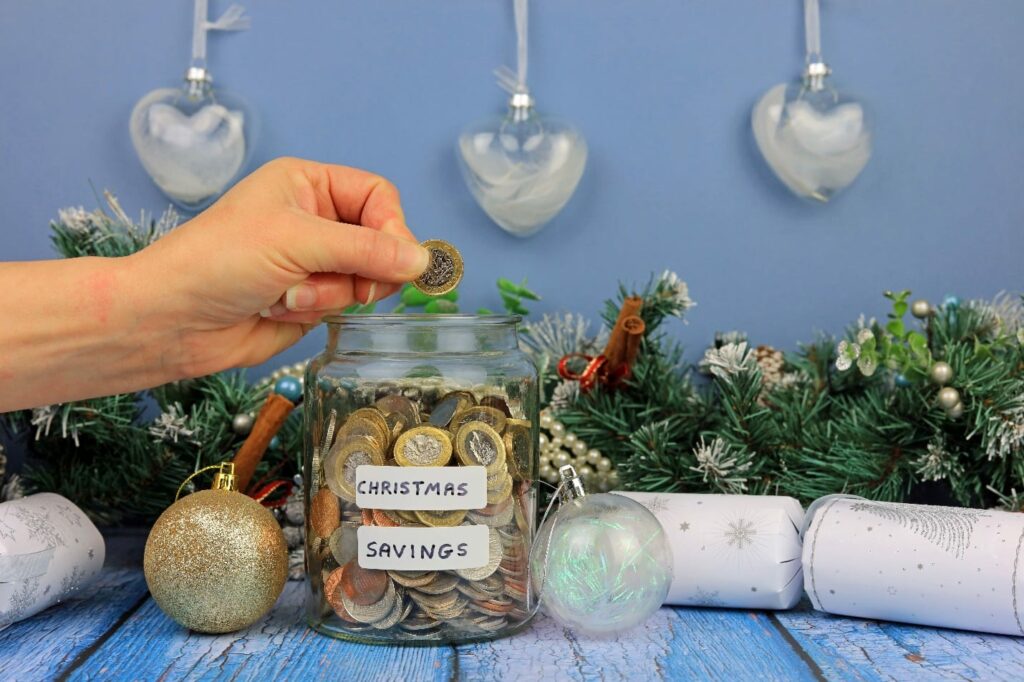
(437, 319)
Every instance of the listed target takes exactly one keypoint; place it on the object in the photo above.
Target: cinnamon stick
(635, 328)
(268, 422)
(617, 351)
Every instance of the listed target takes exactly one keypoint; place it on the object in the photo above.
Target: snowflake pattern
(20, 602)
(740, 533)
(39, 527)
(656, 505)
(703, 597)
(72, 583)
(69, 514)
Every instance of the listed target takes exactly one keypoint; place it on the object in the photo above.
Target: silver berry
(241, 424)
(949, 397)
(920, 309)
(941, 373)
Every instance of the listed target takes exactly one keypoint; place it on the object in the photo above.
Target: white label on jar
(421, 488)
(423, 549)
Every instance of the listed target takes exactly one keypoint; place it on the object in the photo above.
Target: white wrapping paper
(926, 565)
(737, 551)
(49, 549)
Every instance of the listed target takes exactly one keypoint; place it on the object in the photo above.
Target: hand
(291, 243)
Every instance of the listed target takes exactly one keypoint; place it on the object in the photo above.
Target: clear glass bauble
(601, 564)
(816, 139)
(193, 141)
(522, 168)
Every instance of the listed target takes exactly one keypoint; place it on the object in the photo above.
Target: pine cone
(771, 361)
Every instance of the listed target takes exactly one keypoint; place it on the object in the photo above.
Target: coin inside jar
(478, 443)
(364, 586)
(479, 413)
(448, 406)
(396, 403)
(345, 457)
(324, 513)
(441, 519)
(498, 403)
(444, 272)
(518, 445)
(423, 446)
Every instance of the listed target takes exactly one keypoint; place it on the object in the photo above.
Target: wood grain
(86, 639)
(674, 644)
(854, 649)
(47, 644)
(150, 646)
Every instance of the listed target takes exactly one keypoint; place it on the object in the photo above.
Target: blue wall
(661, 88)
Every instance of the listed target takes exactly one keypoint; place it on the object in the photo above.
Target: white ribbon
(515, 81)
(812, 30)
(233, 19)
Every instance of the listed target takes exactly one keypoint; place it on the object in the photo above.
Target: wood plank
(150, 646)
(855, 649)
(45, 645)
(674, 644)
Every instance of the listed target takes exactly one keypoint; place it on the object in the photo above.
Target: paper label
(423, 549)
(421, 488)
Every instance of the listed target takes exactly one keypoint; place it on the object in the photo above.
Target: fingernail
(413, 259)
(300, 297)
(371, 294)
(276, 309)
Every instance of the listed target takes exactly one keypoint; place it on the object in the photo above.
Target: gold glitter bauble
(216, 561)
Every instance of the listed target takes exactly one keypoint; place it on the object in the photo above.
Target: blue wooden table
(115, 631)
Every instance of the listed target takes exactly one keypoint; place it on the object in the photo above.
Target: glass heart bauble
(816, 140)
(523, 168)
(193, 141)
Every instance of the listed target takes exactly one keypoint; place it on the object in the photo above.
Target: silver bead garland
(559, 447)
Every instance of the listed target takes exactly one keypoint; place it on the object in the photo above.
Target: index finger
(357, 197)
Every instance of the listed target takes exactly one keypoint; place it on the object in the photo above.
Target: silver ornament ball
(920, 309)
(948, 398)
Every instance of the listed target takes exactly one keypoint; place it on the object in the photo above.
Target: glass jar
(420, 477)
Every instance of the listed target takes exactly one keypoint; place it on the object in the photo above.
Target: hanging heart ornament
(522, 168)
(192, 142)
(816, 140)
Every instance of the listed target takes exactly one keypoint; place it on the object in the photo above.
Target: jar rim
(439, 319)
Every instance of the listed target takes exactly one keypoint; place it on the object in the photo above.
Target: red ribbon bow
(595, 372)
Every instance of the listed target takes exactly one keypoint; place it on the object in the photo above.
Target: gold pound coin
(442, 519)
(345, 457)
(367, 422)
(491, 416)
(423, 446)
(478, 444)
(501, 492)
(444, 271)
(518, 446)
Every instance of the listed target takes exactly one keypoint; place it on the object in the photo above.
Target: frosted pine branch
(720, 466)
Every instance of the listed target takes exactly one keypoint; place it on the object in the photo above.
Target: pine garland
(858, 416)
